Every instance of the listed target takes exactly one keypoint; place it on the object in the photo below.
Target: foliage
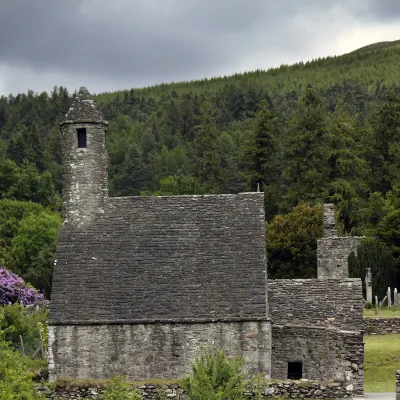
(292, 243)
(382, 353)
(373, 254)
(15, 321)
(13, 289)
(120, 389)
(215, 377)
(15, 382)
(324, 130)
(34, 246)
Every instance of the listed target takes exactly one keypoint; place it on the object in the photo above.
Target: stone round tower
(84, 157)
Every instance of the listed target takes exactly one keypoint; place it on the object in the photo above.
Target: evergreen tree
(306, 171)
(207, 163)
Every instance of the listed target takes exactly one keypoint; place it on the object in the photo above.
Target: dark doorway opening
(295, 370)
(81, 138)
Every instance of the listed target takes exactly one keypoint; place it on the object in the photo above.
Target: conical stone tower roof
(83, 109)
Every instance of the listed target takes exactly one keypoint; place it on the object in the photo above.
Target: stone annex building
(142, 283)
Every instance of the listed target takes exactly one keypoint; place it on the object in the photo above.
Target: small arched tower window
(81, 132)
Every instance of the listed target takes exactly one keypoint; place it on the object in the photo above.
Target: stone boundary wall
(292, 389)
(398, 384)
(381, 326)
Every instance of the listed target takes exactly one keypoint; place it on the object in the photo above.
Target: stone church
(142, 283)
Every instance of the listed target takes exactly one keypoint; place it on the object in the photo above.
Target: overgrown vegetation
(322, 131)
(16, 382)
(120, 389)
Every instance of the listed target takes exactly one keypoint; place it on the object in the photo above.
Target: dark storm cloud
(133, 43)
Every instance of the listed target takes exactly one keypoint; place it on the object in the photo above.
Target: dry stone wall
(292, 389)
(152, 351)
(381, 326)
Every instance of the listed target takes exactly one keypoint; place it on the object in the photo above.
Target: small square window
(81, 137)
(295, 370)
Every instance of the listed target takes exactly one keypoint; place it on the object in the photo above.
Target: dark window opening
(295, 370)
(81, 138)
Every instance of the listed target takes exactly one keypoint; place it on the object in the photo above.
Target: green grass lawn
(383, 312)
(382, 359)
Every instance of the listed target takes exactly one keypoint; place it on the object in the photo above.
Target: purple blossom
(13, 289)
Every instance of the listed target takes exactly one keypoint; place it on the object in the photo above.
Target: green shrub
(120, 390)
(215, 377)
(15, 382)
(15, 321)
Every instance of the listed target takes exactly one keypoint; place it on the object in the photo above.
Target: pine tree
(306, 170)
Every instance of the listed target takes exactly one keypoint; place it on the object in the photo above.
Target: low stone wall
(291, 389)
(398, 384)
(381, 326)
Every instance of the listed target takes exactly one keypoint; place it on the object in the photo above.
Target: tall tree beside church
(207, 165)
(261, 157)
(387, 143)
(349, 170)
(306, 170)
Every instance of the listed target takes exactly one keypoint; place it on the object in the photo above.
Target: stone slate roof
(151, 259)
(83, 109)
(330, 303)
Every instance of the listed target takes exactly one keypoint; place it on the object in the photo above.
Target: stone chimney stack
(328, 215)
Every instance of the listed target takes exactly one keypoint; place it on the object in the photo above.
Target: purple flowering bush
(13, 289)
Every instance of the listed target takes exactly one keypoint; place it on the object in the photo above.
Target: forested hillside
(321, 131)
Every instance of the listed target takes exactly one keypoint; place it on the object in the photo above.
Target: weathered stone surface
(326, 354)
(291, 389)
(381, 326)
(333, 251)
(85, 187)
(164, 258)
(332, 255)
(328, 215)
(333, 302)
(150, 351)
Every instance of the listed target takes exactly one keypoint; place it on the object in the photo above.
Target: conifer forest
(323, 131)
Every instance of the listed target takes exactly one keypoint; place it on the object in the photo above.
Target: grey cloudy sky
(117, 44)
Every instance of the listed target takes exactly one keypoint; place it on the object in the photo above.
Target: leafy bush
(120, 390)
(215, 377)
(13, 289)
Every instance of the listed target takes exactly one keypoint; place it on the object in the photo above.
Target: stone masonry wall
(333, 303)
(328, 216)
(292, 389)
(152, 351)
(332, 255)
(381, 326)
(85, 187)
(326, 354)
